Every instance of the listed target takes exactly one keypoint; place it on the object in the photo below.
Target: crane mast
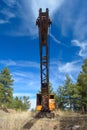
(43, 22)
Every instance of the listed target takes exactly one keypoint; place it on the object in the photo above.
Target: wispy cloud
(60, 69)
(69, 67)
(8, 62)
(83, 47)
(3, 21)
(19, 63)
(29, 78)
(27, 81)
(30, 8)
(8, 13)
(51, 4)
(56, 40)
(71, 16)
(10, 3)
(72, 19)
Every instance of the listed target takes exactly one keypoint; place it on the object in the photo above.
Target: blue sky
(19, 43)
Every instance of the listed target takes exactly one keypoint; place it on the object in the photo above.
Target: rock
(76, 127)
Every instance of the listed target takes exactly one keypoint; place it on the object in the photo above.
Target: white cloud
(20, 74)
(71, 68)
(26, 81)
(53, 5)
(83, 47)
(72, 19)
(20, 63)
(3, 21)
(10, 2)
(27, 11)
(28, 76)
(56, 40)
(28, 64)
(8, 13)
(8, 62)
(68, 67)
(60, 69)
(80, 27)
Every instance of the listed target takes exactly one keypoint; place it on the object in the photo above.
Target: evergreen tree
(60, 99)
(51, 91)
(68, 95)
(22, 103)
(82, 86)
(1, 93)
(6, 82)
(69, 92)
(26, 102)
(6, 93)
(17, 104)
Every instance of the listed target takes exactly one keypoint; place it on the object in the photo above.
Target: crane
(45, 100)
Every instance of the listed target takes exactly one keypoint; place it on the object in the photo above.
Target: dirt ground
(26, 121)
(61, 123)
(43, 124)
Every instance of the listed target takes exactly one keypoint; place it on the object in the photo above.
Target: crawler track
(29, 124)
(58, 123)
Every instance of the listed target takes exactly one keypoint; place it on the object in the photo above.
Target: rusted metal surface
(43, 22)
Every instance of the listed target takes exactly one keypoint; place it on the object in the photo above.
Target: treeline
(73, 96)
(6, 93)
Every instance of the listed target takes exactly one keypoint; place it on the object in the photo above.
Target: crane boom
(45, 100)
(44, 22)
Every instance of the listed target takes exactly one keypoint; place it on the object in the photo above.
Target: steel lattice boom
(44, 22)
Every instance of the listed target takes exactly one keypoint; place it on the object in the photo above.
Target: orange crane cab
(39, 101)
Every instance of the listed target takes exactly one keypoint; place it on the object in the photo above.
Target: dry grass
(16, 120)
(65, 113)
(13, 121)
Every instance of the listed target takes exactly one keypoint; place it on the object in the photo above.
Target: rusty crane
(45, 100)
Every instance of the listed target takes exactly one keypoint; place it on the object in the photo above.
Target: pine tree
(68, 95)
(1, 93)
(82, 86)
(60, 98)
(21, 103)
(26, 102)
(6, 82)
